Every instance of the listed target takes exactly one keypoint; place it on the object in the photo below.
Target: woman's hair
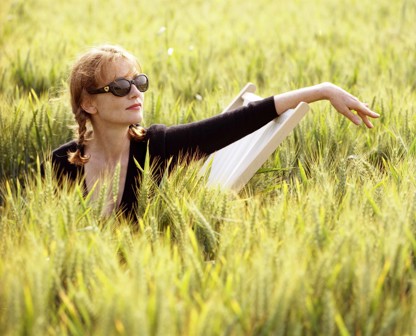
(87, 72)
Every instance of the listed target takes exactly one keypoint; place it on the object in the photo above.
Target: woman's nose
(134, 91)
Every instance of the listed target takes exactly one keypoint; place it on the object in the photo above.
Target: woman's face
(109, 110)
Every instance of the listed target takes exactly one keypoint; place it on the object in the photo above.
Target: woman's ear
(88, 105)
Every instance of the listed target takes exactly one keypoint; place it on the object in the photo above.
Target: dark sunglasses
(122, 86)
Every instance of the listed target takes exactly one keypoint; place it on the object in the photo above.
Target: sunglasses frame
(111, 86)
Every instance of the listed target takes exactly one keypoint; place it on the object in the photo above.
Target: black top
(169, 144)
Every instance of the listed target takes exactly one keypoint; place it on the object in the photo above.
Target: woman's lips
(134, 107)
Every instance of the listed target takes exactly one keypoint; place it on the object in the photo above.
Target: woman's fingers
(346, 111)
(365, 120)
(351, 103)
(364, 112)
(345, 103)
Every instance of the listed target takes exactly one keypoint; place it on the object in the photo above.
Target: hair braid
(76, 157)
(137, 132)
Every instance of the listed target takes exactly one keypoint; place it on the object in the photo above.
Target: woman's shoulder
(155, 130)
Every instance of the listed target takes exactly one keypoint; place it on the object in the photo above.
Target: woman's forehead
(119, 68)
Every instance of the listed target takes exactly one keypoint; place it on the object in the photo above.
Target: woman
(107, 95)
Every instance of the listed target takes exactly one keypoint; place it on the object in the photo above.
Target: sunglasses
(122, 86)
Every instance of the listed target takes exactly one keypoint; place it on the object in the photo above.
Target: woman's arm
(209, 135)
(340, 99)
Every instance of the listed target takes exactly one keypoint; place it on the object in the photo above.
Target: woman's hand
(345, 103)
(340, 99)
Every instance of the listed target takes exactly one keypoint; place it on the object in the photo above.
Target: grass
(320, 242)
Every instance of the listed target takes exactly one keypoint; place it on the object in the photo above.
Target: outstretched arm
(340, 99)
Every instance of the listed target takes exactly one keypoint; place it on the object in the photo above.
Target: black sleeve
(207, 136)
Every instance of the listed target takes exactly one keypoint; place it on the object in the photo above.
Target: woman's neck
(109, 144)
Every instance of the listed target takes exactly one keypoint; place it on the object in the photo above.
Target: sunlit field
(321, 241)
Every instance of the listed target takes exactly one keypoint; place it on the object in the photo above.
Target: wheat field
(322, 240)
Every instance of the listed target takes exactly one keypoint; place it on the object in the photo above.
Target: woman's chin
(138, 118)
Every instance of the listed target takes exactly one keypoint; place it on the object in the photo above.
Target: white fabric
(233, 166)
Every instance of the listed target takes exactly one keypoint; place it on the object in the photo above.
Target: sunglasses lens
(121, 87)
(141, 82)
